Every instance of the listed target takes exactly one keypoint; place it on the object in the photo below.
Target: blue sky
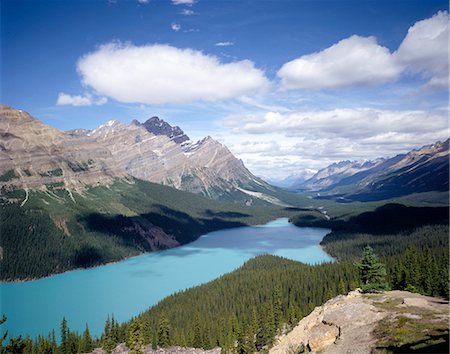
(289, 85)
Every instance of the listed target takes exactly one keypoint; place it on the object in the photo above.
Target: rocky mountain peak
(158, 126)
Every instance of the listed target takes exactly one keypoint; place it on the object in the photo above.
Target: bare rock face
(156, 152)
(33, 155)
(322, 335)
(160, 127)
(352, 323)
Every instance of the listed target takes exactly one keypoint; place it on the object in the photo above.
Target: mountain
(33, 154)
(70, 200)
(157, 152)
(334, 173)
(293, 179)
(159, 127)
(418, 171)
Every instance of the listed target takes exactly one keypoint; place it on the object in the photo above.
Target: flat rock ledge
(345, 324)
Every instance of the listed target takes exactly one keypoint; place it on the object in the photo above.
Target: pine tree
(163, 332)
(342, 287)
(86, 343)
(114, 331)
(197, 341)
(372, 272)
(135, 338)
(277, 308)
(63, 348)
(3, 337)
(107, 338)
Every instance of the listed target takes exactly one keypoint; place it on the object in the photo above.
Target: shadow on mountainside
(182, 226)
(387, 218)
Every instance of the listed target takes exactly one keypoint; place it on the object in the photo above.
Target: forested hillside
(54, 231)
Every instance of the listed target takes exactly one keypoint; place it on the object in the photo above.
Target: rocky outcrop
(352, 323)
(158, 126)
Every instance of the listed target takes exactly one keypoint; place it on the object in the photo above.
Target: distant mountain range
(33, 154)
(422, 170)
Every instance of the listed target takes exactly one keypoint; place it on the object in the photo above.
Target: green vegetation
(53, 233)
(404, 334)
(372, 272)
(241, 311)
(8, 176)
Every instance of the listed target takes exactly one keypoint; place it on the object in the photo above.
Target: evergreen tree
(342, 287)
(163, 332)
(372, 272)
(63, 348)
(197, 341)
(277, 308)
(16, 345)
(86, 343)
(4, 335)
(107, 338)
(135, 338)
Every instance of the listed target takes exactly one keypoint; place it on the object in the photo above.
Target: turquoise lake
(131, 286)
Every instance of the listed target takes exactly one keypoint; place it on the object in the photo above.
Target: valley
(174, 221)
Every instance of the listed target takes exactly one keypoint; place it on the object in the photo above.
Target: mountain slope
(157, 152)
(70, 200)
(33, 154)
(422, 170)
(50, 231)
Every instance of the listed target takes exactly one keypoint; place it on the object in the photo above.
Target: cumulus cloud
(356, 60)
(350, 123)
(224, 44)
(143, 1)
(175, 26)
(425, 50)
(157, 74)
(292, 142)
(352, 61)
(77, 100)
(184, 2)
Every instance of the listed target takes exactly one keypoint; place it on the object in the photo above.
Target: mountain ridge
(420, 170)
(153, 151)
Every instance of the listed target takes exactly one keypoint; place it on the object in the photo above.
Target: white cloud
(184, 2)
(425, 50)
(359, 60)
(77, 100)
(349, 123)
(301, 140)
(143, 1)
(157, 74)
(352, 61)
(175, 26)
(187, 12)
(224, 44)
